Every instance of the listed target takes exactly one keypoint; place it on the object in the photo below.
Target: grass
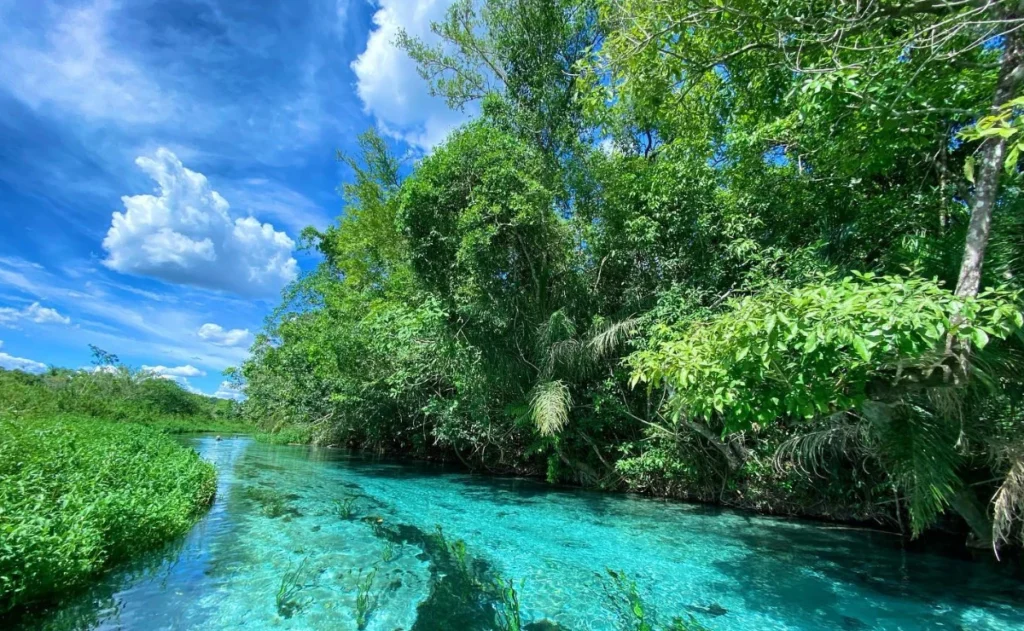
(346, 508)
(366, 598)
(287, 598)
(292, 435)
(78, 494)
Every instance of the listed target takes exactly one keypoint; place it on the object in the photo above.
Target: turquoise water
(325, 520)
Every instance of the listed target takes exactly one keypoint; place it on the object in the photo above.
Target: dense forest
(761, 253)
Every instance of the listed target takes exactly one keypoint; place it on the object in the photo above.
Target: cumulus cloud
(216, 334)
(228, 391)
(387, 81)
(32, 313)
(185, 235)
(187, 370)
(20, 363)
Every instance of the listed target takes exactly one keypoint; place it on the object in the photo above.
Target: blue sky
(158, 159)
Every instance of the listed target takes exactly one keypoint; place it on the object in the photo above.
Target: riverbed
(305, 538)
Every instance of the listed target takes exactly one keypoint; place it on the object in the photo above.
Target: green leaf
(969, 169)
(862, 349)
(979, 337)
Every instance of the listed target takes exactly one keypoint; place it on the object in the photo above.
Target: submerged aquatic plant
(508, 616)
(388, 553)
(346, 507)
(633, 613)
(456, 551)
(288, 603)
(271, 502)
(366, 599)
(688, 624)
(625, 598)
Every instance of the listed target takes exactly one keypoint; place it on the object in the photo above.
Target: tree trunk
(992, 158)
(966, 504)
(734, 459)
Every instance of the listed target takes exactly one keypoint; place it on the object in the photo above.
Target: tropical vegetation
(765, 253)
(89, 476)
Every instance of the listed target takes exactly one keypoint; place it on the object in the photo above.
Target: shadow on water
(822, 562)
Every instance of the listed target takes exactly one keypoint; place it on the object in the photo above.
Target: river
(295, 531)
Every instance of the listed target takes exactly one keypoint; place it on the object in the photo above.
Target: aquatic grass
(688, 624)
(288, 603)
(388, 553)
(366, 599)
(632, 612)
(78, 495)
(271, 502)
(346, 507)
(508, 616)
(456, 552)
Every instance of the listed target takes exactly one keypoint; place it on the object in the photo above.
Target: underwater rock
(849, 623)
(714, 609)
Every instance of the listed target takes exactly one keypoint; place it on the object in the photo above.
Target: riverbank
(80, 494)
(842, 495)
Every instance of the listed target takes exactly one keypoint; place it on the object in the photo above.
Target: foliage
(78, 494)
(815, 349)
(720, 200)
(287, 596)
(115, 393)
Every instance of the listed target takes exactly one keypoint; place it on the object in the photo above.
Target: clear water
(277, 514)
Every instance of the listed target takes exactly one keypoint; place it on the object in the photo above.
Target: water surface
(295, 531)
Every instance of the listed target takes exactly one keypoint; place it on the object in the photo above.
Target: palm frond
(568, 356)
(811, 451)
(610, 337)
(1008, 506)
(556, 328)
(550, 406)
(919, 451)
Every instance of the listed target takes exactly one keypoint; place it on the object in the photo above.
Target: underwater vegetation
(292, 584)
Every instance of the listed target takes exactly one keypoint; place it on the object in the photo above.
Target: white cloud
(274, 201)
(75, 68)
(389, 85)
(227, 391)
(187, 370)
(20, 363)
(216, 334)
(185, 235)
(33, 313)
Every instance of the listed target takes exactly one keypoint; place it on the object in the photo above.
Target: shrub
(78, 494)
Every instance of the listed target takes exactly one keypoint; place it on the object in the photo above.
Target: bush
(116, 393)
(78, 494)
